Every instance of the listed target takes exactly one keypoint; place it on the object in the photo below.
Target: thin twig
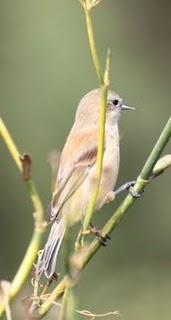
(89, 314)
(86, 313)
(92, 43)
(101, 137)
(104, 84)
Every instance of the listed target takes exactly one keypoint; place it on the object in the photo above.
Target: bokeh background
(45, 69)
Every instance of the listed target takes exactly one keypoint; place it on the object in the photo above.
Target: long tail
(47, 260)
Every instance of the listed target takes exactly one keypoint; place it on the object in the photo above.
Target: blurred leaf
(162, 164)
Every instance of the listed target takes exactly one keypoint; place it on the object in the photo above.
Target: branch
(104, 84)
(161, 165)
(23, 163)
(117, 216)
(92, 43)
(67, 310)
(101, 137)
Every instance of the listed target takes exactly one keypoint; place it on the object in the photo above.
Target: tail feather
(47, 259)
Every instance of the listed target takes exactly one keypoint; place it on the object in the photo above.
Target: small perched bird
(76, 174)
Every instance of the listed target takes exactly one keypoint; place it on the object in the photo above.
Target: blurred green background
(45, 69)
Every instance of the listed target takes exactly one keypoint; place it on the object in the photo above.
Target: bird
(77, 171)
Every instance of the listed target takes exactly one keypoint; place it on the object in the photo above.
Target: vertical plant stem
(104, 84)
(68, 301)
(68, 304)
(92, 45)
(4, 133)
(99, 162)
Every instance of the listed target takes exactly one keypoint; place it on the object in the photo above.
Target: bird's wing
(78, 157)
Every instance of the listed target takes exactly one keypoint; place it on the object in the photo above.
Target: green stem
(10, 144)
(99, 162)
(34, 246)
(104, 83)
(92, 45)
(57, 292)
(63, 310)
(68, 304)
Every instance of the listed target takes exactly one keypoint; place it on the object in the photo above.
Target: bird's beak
(125, 107)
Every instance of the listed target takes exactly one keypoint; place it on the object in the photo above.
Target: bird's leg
(124, 187)
(103, 239)
(79, 241)
(91, 230)
(110, 196)
(129, 186)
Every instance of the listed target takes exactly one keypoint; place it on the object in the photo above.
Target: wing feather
(78, 157)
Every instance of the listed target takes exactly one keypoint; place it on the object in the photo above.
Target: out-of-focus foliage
(45, 69)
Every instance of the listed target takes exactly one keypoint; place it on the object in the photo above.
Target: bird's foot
(103, 239)
(130, 187)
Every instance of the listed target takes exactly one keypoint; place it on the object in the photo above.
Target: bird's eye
(115, 102)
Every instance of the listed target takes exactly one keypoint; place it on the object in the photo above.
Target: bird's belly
(75, 208)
